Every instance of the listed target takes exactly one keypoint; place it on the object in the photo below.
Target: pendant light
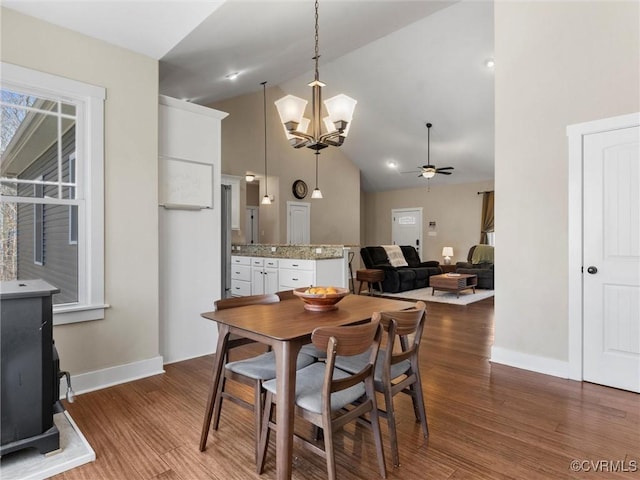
(266, 200)
(317, 193)
(339, 108)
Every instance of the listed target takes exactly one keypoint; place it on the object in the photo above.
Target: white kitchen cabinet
(264, 275)
(235, 199)
(240, 276)
(297, 273)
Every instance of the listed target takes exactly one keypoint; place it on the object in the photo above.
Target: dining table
(285, 326)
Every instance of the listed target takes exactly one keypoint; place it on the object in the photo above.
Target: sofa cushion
(378, 256)
(410, 255)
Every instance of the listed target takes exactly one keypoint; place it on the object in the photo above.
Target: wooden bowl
(321, 302)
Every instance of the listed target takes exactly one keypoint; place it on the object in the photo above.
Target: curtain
(487, 216)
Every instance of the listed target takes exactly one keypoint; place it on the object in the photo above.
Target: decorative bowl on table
(320, 299)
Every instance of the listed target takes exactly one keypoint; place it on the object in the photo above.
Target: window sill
(65, 314)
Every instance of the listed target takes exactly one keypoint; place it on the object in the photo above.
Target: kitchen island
(258, 269)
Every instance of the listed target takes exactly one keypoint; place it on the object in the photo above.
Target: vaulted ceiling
(405, 62)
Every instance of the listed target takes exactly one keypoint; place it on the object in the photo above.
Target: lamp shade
(430, 174)
(330, 126)
(291, 108)
(266, 200)
(249, 177)
(340, 108)
(317, 193)
(447, 252)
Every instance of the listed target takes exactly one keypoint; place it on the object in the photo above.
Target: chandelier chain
(317, 50)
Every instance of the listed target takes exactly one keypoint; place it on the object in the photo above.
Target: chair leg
(264, 432)
(258, 407)
(393, 433)
(327, 429)
(418, 404)
(377, 434)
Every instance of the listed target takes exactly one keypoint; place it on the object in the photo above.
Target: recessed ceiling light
(392, 164)
(231, 76)
(490, 63)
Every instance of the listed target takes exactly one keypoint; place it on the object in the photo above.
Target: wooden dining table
(285, 326)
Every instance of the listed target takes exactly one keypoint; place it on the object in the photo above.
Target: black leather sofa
(400, 279)
(483, 270)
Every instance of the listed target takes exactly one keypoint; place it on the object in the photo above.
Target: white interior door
(611, 279)
(298, 223)
(406, 227)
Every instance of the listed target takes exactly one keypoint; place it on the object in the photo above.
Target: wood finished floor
(486, 421)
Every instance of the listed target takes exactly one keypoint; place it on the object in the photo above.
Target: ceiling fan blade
(444, 168)
(444, 173)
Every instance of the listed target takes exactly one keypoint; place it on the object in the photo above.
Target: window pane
(60, 266)
(68, 109)
(16, 98)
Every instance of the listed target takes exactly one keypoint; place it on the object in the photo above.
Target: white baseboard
(108, 377)
(548, 366)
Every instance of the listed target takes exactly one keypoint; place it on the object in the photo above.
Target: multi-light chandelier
(336, 124)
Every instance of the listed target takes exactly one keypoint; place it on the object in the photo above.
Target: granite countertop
(305, 252)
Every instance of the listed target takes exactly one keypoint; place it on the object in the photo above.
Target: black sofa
(483, 268)
(400, 279)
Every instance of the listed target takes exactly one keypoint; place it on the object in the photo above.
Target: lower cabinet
(264, 275)
(260, 275)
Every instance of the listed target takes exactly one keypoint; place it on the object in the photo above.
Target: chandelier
(336, 124)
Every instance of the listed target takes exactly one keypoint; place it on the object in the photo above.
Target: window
(52, 188)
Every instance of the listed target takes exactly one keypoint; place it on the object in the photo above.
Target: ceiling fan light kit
(339, 108)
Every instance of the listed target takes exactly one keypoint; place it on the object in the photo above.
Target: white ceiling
(406, 62)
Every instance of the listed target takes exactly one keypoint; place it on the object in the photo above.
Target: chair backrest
(347, 340)
(234, 302)
(407, 327)
(285, 294)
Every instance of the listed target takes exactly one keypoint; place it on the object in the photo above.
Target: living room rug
(29, 464)
(424, 294)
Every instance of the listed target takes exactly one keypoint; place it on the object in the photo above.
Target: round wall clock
(299, 189)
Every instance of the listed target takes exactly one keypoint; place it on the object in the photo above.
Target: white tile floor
(29, 464)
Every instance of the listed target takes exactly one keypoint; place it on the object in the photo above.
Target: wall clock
(299, 189)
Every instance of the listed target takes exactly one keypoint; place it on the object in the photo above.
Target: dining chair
(251, 371)
(325, 395)
(397, 368)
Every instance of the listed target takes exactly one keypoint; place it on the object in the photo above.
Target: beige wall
(334, 219)
(557, 63)
(456, 209)
(129, 333)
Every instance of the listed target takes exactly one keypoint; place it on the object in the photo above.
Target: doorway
(604, 252)
(406, 227)
(298, 223)
(252, 218)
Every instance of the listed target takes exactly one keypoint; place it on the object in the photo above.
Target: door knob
(592, 270)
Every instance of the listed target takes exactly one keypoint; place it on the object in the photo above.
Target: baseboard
(108, 377)
(534, 363)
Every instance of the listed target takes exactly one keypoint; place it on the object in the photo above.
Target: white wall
(189, 239)
(129, 332)
(557, 63)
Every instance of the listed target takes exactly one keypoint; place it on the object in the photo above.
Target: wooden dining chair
(397, 368)
(325, 395)
(251, 371)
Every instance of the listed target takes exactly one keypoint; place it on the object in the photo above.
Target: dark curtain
(487, 216)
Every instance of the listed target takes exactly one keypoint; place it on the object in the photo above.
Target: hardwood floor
(486, 421)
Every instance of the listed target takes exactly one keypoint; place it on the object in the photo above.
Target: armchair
(480, 263)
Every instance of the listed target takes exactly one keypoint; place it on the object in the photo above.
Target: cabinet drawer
(257, 261)
(241, 272)
(295, 279)
(240, 260)
(295, 264)
(240, 288)
(271, 262)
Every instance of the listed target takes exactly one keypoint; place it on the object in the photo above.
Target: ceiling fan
(429, 171)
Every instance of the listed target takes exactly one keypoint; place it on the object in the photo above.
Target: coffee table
(453, 282)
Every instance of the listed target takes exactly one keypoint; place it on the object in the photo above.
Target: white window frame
(38, 219)
(72, 196)
(89, 101)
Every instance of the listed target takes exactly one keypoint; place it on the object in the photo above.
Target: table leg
(221, 349)
(286, 354)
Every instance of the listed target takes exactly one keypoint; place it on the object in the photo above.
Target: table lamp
(447, 253)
